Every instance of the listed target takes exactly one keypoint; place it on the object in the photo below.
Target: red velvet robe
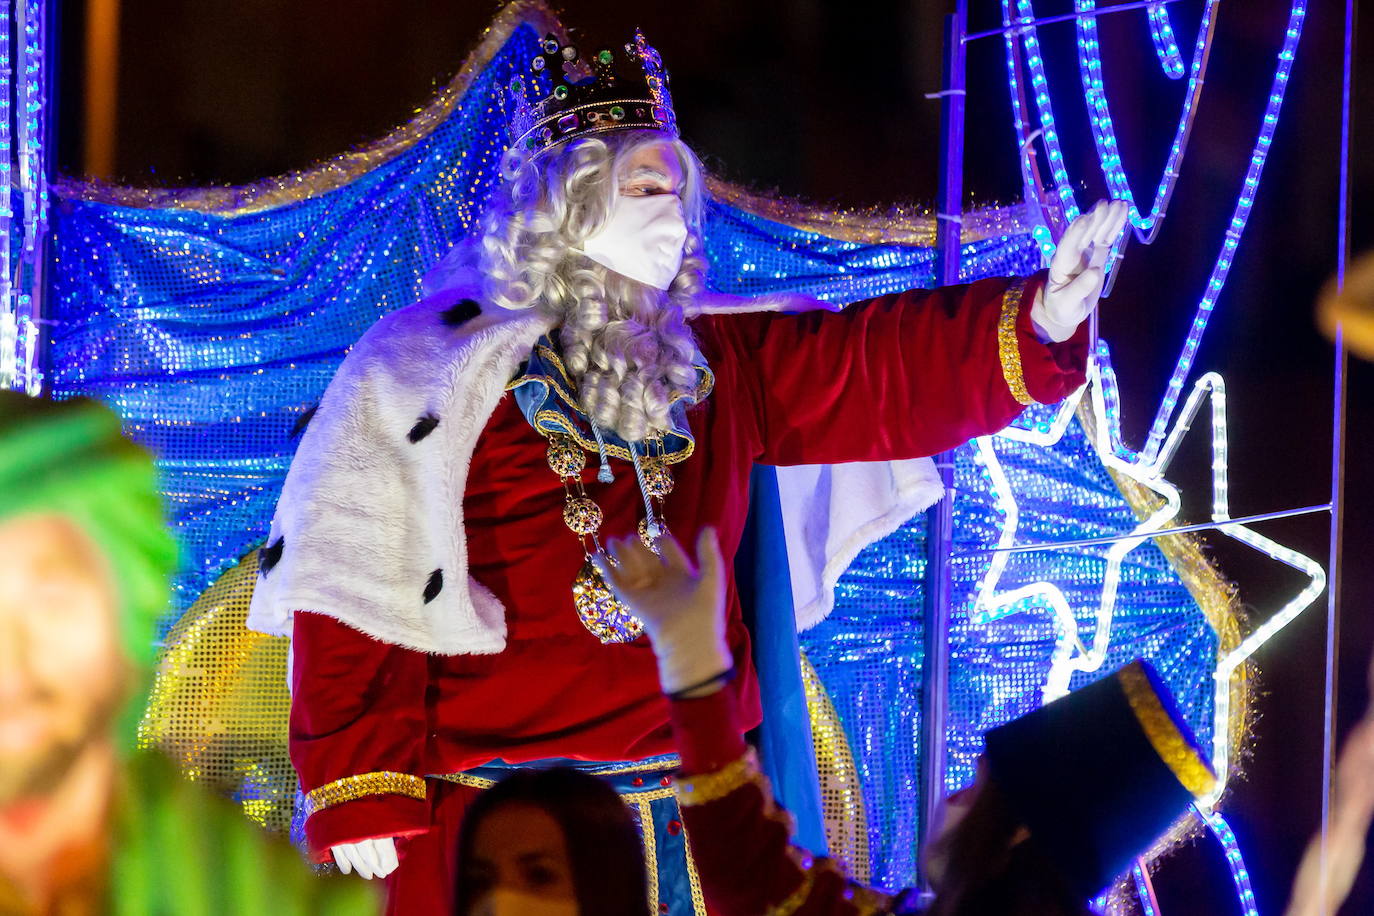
(900, 376)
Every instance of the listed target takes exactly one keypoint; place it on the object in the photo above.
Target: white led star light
(1148, 468)
(1070, 653)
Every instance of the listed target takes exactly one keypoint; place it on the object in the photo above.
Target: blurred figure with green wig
(87, 824)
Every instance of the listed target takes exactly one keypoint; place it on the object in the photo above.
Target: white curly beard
(628, 350)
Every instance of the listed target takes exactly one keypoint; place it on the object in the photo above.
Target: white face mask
(642, 239)
(505, 902)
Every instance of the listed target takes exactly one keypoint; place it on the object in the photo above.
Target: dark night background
(823, 100)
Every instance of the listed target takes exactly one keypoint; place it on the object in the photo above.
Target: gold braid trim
(864, 900)
(634, 766)
(704, 788)
(1009, 346)
(797, 898)
(351, 788)
(869, 902)
(1173, 748)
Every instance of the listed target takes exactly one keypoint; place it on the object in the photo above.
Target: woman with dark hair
(1065, 797)
(552, 842)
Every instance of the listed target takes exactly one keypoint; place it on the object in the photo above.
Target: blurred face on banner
(63, 674)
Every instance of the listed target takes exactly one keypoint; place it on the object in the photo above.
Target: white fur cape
(369, 529)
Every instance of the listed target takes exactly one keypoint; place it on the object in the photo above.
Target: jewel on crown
(565, 96)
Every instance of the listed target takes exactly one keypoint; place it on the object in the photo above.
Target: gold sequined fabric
(842, 799)
(220, 705)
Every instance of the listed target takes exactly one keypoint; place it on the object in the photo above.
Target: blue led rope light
(1143, 891)
(30, 133)
(33, 185)
(1239, 217)
(1150, 464)
(36, 111)
(1111, 397)
(1104, 137)
(1100, 117)
(1040, 90)
(23, 202)
(1166, 47)
(1019, 122)
(8, 312)
(1245, 895)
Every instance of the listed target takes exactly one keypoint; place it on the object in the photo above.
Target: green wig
(70, 459)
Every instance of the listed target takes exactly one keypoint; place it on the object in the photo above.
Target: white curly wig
(625, 343)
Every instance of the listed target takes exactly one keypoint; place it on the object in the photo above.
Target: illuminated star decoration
(1150, 466)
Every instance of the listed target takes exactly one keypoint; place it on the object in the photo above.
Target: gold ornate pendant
(604, 616)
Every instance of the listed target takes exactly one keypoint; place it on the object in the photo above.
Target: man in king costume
(431, 554)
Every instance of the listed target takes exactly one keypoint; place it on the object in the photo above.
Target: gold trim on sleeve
(1009, 345)
(1177, 752)
(704, 788)
(351, 788)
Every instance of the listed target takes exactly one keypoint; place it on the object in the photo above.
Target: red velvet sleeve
(357, 733)
(739, 836)
(900, 376)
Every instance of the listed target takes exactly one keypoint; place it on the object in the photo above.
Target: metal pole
(1333, 601)
(940, 530)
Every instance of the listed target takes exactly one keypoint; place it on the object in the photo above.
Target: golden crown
(566, 96)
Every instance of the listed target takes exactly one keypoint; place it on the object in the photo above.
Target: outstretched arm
(912, 374)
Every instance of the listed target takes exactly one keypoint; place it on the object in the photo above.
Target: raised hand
(369, 858)
(1077, 271)
(682, 605)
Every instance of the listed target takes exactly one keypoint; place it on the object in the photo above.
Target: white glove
(683, 608)
(369, 858)
(1076, 271)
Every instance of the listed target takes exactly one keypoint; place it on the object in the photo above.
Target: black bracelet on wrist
(723, 678)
